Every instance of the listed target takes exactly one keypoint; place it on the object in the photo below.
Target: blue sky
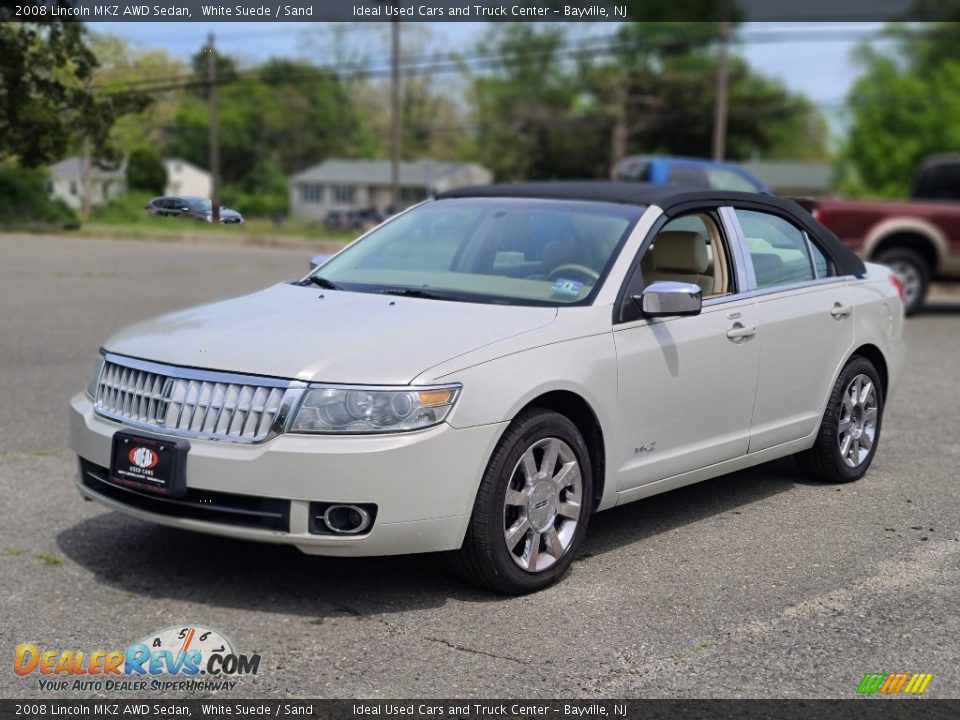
(813, 58)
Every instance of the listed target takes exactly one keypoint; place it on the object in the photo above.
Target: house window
(343, 193)
(411, 195)
(311, 193)
(73, 187)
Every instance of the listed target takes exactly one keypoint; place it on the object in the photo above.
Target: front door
(687, 385)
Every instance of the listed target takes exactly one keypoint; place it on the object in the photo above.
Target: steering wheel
(589, 274)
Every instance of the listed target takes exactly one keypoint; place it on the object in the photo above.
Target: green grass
(125, 217)
(49, 559)
(698, 648)
(14, 551)
(45, 451)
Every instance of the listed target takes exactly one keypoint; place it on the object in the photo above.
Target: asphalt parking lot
(757, 584)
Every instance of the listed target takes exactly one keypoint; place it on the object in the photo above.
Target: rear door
(806, 326)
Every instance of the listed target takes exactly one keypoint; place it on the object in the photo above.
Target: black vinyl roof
(673, 200)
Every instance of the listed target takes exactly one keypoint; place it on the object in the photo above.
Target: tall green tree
(666, 76)
(274, 120)
(544, 112)
(47, 103)
(121, 68)
(902, 109)
(529, 116)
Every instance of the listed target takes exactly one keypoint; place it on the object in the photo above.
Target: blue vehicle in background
(693, 172)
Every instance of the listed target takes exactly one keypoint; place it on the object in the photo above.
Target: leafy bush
(145, 171)
(24, 202)
(265, 192)
(124, 209)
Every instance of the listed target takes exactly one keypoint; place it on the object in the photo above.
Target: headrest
(680, 251)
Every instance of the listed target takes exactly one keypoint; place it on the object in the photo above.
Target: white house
(185, 178)
(360, 184)
(66, 182)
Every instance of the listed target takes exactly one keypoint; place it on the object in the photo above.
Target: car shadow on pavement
(140, 558)
(940, 307)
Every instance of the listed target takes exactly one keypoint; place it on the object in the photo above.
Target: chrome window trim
(761, 292)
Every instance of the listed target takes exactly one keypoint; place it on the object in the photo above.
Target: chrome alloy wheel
(857, 429)
(911, 278)
(542, 504)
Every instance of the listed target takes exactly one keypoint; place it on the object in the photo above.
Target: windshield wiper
(323, 282)
(416, 293)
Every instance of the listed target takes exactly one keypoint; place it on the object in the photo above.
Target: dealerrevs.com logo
(191, 658)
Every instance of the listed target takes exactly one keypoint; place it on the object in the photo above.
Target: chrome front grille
(195, 403)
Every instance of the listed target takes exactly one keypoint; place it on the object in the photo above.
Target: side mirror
(667, 298)
(318, 260)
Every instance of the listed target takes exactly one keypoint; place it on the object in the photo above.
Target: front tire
(850, 430)
(913, 271)
(532, 509)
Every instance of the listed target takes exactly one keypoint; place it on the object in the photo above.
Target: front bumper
(423, 484)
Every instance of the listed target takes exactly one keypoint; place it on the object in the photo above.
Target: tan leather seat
(681, 256)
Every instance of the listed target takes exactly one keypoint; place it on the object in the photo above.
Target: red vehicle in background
(919, 239)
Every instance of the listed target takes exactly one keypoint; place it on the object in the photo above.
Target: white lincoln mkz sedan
(483, 372)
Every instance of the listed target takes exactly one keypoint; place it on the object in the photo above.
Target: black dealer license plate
(149, 464)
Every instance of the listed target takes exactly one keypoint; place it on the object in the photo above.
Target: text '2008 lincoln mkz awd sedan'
(482, 373)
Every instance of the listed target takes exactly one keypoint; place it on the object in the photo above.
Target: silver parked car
(484, 372)
(189, 206)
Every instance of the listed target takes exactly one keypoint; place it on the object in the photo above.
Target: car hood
(291, 331)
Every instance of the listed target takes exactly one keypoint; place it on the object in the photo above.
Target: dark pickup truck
(919, 239)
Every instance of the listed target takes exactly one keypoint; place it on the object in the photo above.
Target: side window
(729, 180)
(781, 253)
(690, 249)
(688, 175)
(820, 263)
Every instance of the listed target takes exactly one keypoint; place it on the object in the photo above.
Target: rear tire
(913, 270)
(850, 430)
(532, 509)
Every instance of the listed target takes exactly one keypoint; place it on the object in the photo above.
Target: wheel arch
(872, 353)
(875, 355)
(578, 411)
(913, 234)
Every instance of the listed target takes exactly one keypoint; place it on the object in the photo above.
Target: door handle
(841, 311)
(740, 332)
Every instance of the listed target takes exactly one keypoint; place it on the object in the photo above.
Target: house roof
(167, 162)
(71, 168)
(421, 173)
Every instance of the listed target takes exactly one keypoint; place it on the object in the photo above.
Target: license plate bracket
(149, 463)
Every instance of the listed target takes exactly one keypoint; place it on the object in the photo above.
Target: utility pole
(619, 132)
(722, 81)
(85, 200)
(214, 139)
(395, 137)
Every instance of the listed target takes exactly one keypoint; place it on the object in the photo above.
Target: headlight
(94, 378)
(373, 410)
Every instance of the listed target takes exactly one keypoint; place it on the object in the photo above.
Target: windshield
(489, 250)
(199, 203)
